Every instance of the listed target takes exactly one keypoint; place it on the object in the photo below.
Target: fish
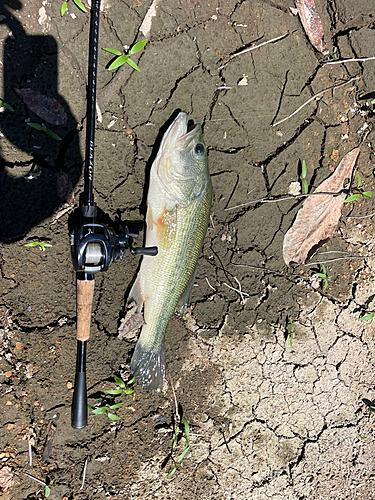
(178, 212)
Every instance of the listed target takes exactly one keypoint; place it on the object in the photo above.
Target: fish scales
(179, 202)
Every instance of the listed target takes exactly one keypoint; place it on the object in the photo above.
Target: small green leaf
(321, 275)
(129, 391)
(115, 391)
(63, 8)
(131, 381)
(114, 407)
(112, 416)
(304, 169)
(305, 186)
(132, 64)
(373, 101)
(6, 106)
(352, 198)
(137, 47)
(186, 427)
(324, 269)
(359, 180)
(33, 244)
(367, 194)
(52, 134)
(325, 285)
(172, 471)
(35, 125)
(119, 61)
(368, 317)
(47, 491)
(119, 382)
(80, 5)
(187, 447)
(113, 51)
(99, 411)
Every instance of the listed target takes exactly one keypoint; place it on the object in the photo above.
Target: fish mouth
(179, 132)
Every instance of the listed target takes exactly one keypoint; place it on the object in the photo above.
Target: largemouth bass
(178, 210)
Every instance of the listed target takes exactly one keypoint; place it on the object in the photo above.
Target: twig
(361, 216)
(238, 290)
(30, 452)
(291, 197)
(338, 258)
(35, 479)
(342, 61)
(315, 97)
(255, 47)
(208, 283)
(84, 474)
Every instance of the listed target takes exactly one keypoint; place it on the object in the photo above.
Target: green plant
(79, 4)
(358, 191)
(303, 177)
(42, 245)
(47, 491)
(114, 392)
(177, 433)
(44, 129)
(368, 317)
(125, 58)
(6, 106)
(291, 334)
(323, 276)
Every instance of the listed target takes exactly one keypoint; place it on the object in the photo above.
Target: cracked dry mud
(269, 419)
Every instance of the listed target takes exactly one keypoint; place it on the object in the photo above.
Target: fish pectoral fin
(135, 294)
(166, 227)
(184, 299)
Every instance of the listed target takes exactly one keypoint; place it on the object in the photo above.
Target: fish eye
(199, 149)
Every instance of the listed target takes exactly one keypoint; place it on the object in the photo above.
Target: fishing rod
(94, 245)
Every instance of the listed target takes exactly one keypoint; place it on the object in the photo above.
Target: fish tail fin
(148, 366)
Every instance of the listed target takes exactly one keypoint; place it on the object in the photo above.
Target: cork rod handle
(85, 293)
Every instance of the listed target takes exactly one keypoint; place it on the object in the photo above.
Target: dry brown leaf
(316, 221)
(312, 23)
(47, 108)
(131, 324)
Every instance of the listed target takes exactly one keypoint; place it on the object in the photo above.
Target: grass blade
(80, 5)
(119, 61)
(132, 64)
(63, 8)
(137, 47)
(113, 51)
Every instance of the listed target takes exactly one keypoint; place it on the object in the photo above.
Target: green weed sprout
(115, 392)
(6, 106)
(79, 4)
(174, 444)
(358, 191)
(125, 58)
(42, 245)
(291, 334)
(303, 177)
(47, 491)
(44, 129)
(368, 317)
(323, 276)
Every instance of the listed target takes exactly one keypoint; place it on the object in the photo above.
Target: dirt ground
(271, 418)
